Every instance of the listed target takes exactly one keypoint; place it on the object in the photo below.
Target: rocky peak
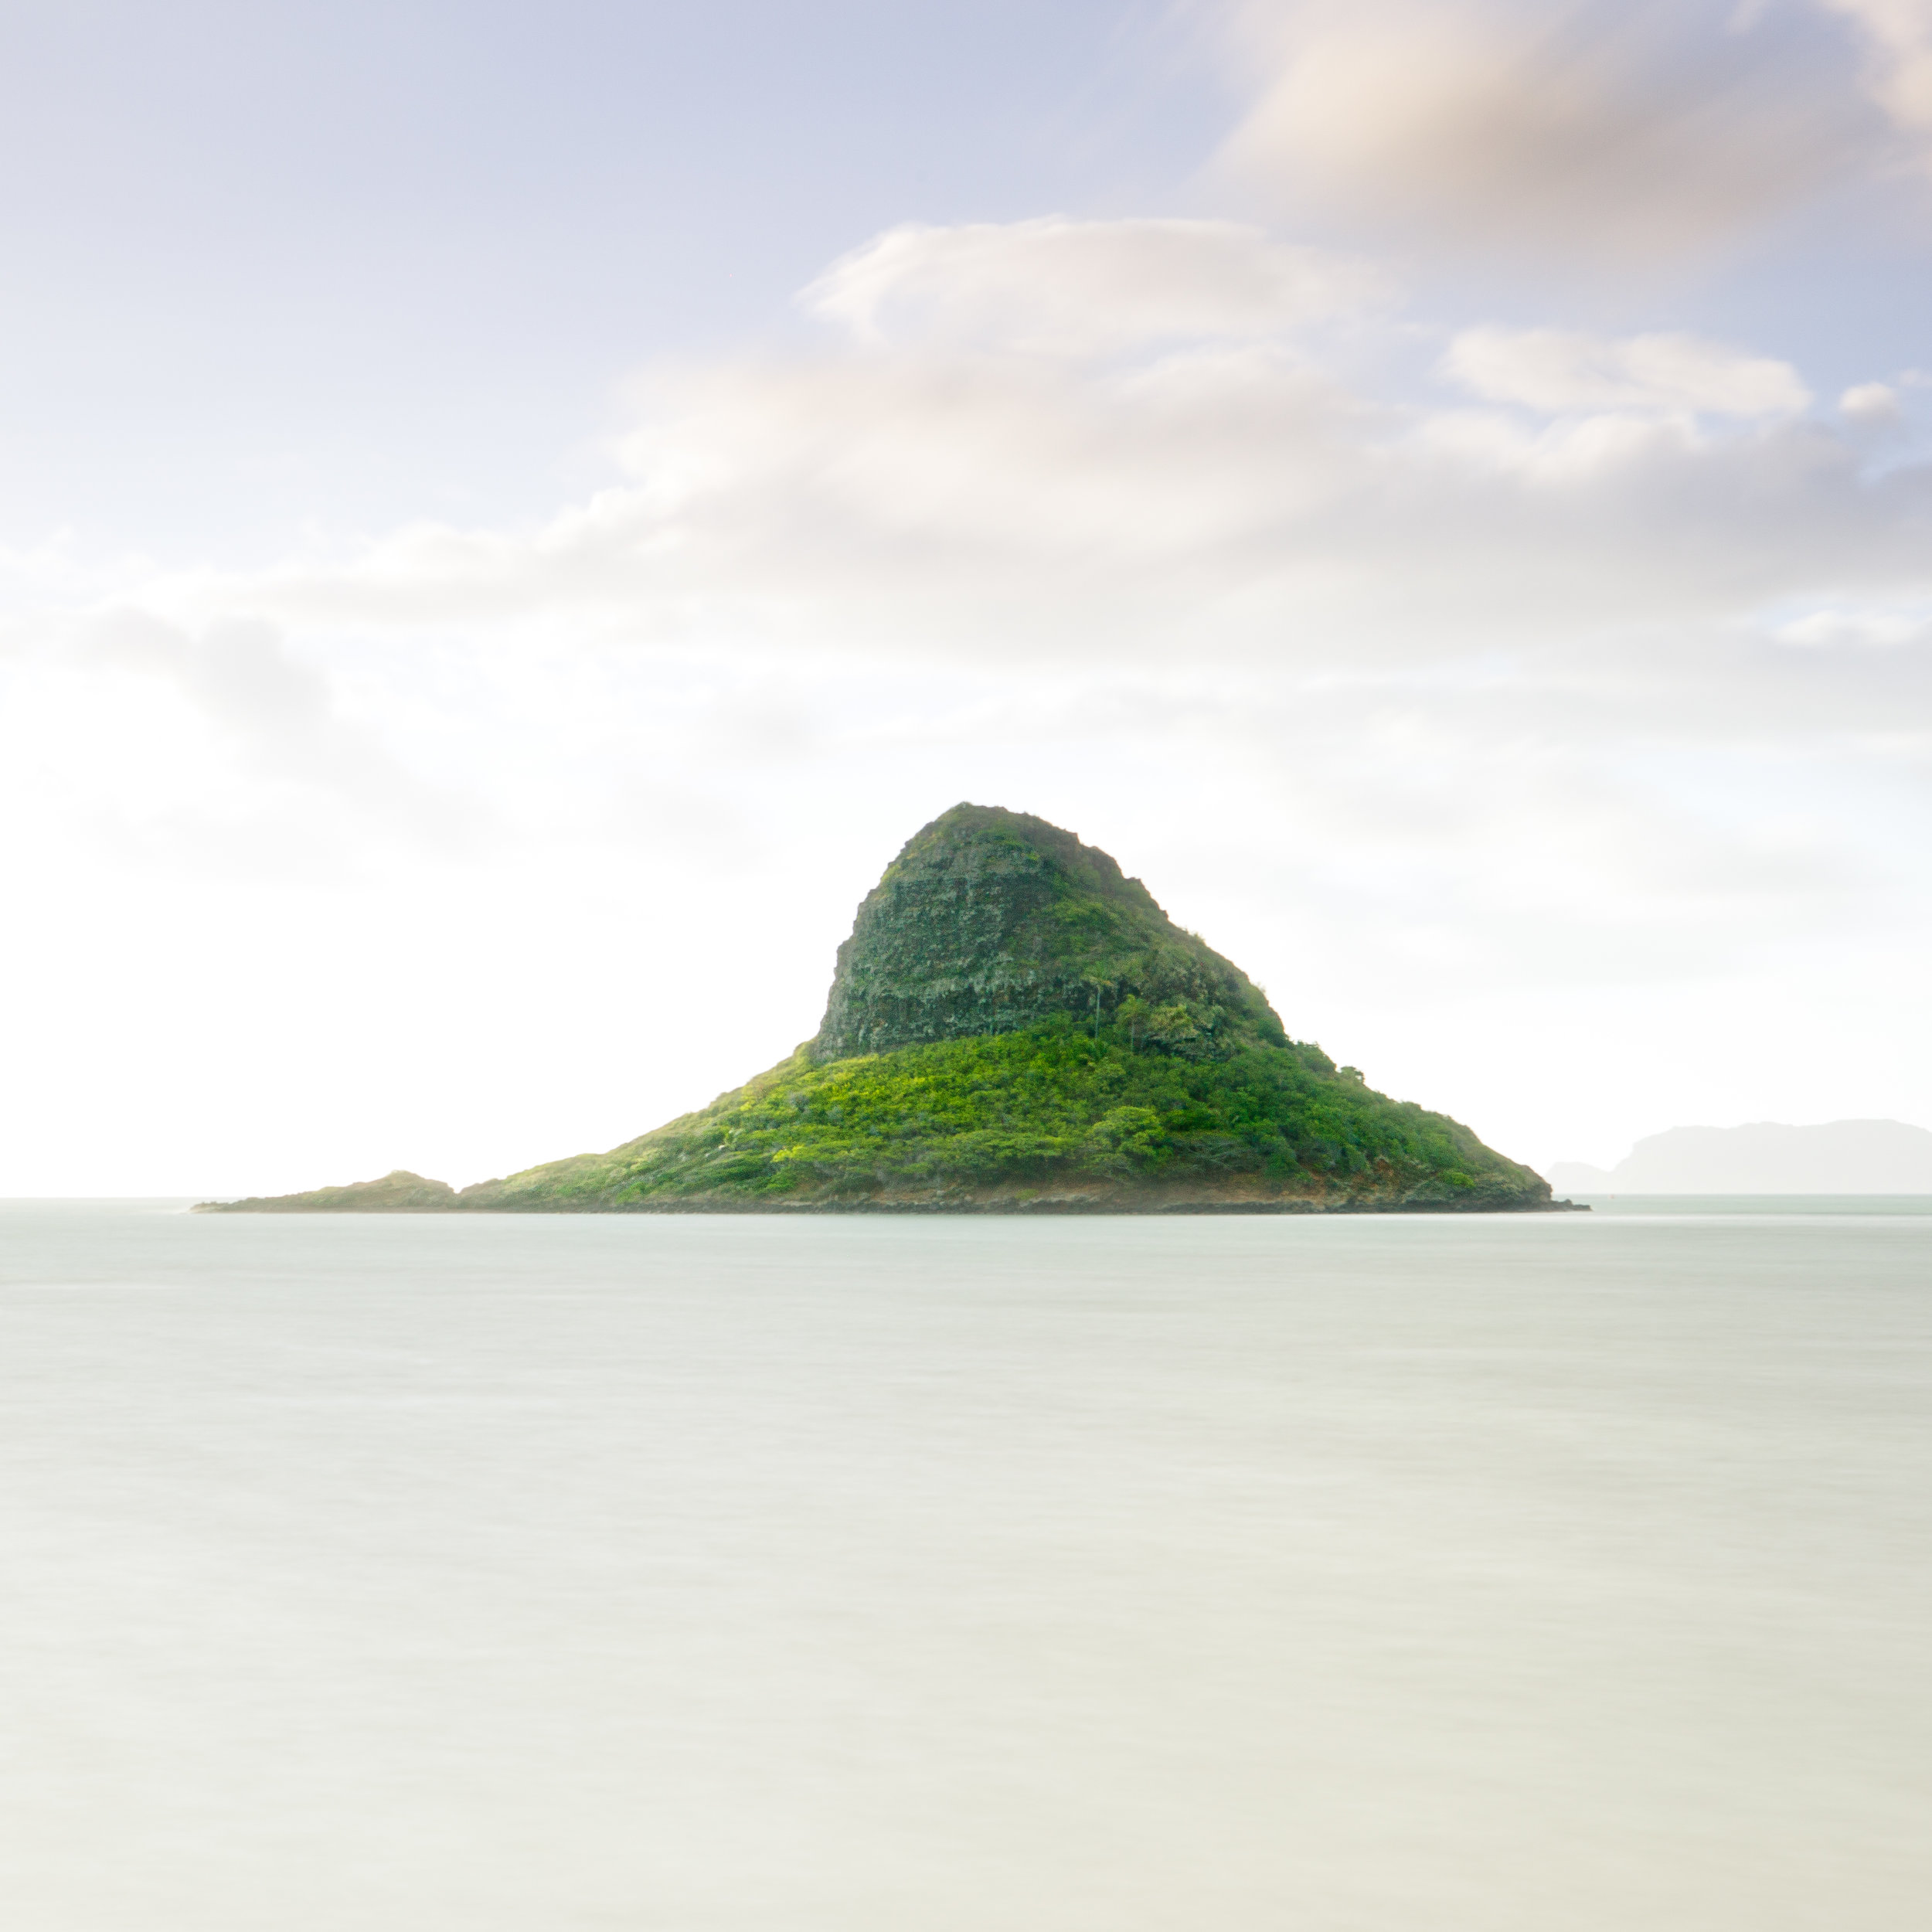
(990, 920)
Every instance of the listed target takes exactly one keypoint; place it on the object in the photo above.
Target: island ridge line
(1016, 1027)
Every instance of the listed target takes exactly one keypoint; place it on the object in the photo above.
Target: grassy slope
(1054, 1108)
(400, 1193)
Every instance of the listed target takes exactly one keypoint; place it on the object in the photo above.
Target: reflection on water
(1524, 1574)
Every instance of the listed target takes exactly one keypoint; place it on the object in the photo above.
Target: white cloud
(1486, 708)
(253, 758)
(1899, 35)
(1084, 287)
(1598, 131)
(1431, 627)
(1241, 499)
(1562, 373)
(1871, 402)
(1833, 628)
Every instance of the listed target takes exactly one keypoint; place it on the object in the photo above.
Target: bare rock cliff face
(990, 920)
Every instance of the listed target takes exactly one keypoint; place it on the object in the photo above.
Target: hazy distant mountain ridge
(1836, 1157)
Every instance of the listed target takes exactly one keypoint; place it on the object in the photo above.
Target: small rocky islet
(1015, 1027)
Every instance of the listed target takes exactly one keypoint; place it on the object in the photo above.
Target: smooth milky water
(1512, 1574)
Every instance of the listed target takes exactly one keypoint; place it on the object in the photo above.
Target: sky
(510, 516)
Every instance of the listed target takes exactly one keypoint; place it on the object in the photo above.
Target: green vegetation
(1014, 1024)
(989, 921)
(1092, 1115)
(399, 1193)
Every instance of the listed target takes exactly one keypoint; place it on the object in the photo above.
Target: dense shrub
(1053, 1101)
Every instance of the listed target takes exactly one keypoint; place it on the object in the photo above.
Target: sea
(1560, 1573)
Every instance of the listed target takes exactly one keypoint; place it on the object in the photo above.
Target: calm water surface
(1544, 1574)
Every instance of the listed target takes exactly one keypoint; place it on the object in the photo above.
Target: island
(1015, 1027)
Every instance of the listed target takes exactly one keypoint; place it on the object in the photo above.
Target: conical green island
(1015, 1027)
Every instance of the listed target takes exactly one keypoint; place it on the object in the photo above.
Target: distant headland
(1835, 1157)
(1016, 1027)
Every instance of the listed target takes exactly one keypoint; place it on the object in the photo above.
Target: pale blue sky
(359, 262)
(510, 515)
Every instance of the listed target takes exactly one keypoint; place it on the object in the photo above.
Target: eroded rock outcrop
(990, 920)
